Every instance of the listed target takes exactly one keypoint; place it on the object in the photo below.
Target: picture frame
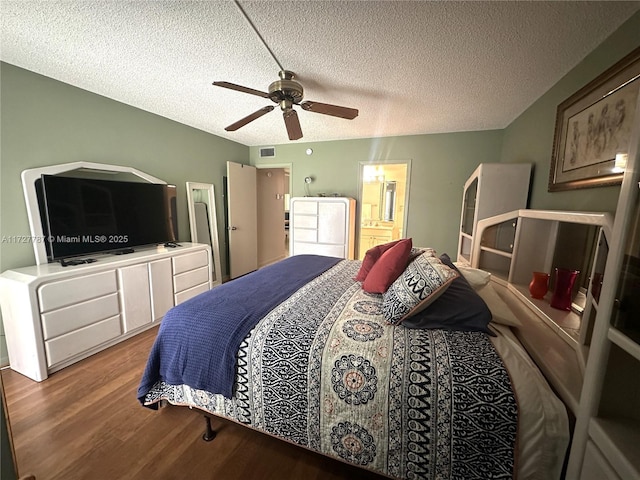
(594, 125)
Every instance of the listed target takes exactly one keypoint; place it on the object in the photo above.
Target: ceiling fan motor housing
(286, 90)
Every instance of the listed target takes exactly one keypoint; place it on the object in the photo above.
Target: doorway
(273, 187)
(265, 220)
(383, 200)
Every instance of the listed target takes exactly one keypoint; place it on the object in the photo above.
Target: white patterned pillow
(417, 287)
(417, 251)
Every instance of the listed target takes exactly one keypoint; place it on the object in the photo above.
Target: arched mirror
(203, 223)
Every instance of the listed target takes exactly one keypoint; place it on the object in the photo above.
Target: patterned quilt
(324, 370)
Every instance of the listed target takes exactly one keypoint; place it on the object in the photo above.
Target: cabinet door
(332, 223)
(469, 208)
(160, 276)
(135, 296)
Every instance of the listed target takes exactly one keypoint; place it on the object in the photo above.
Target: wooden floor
(84, 422)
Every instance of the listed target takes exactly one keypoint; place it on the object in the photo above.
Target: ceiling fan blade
(249, 118)
(240, 88)
(292, 123)
(328, 109)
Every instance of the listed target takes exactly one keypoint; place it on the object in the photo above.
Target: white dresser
(322, 226)
(54, 316)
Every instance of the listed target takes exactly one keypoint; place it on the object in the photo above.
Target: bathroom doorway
(384, 194)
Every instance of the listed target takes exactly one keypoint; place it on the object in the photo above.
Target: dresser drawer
(191, 261)
(305, 235)
(66, 319)
(190, 293)
(302, 206)
(66, 346)
(75, 290)
(319, 249)
(305, 221)
(190, 279)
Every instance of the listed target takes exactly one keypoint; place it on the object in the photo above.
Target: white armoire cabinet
(322, 226)
(492, 189)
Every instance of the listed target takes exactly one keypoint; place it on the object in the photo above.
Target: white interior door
(243, 218)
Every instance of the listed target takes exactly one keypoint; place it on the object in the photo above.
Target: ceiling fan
(286, 92)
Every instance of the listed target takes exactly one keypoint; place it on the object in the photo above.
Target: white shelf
(495, 251)
(588, 218)
(619, 441)
(565, 323)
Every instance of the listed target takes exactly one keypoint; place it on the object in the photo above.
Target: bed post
(209, 433)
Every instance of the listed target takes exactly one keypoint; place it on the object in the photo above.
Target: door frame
(405, 217)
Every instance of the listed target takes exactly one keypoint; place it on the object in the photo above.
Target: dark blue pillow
(458, 308)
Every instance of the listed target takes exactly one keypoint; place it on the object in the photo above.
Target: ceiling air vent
(267, 152)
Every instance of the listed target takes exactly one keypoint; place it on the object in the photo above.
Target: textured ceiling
(409, 67)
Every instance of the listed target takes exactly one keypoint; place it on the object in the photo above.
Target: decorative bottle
(565, 278)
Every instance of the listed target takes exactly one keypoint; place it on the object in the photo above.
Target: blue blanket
(199, 339)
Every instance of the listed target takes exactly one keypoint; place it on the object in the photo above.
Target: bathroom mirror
(389, 201)
(379, 200)
(203, 223)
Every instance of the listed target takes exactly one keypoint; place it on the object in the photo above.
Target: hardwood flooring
(84, 422)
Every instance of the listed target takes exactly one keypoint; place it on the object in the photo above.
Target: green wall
(530, 137)
(46, 122)
(440, 164)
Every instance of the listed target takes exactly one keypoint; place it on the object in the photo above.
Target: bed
(403, 373)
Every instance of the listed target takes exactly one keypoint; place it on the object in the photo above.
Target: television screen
(82, 216)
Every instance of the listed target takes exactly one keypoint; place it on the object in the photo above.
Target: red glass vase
(539, 284)
(562, 292)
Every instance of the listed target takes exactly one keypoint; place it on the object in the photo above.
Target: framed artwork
(593, 126)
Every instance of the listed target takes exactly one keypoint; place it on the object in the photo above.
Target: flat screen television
(82, 216)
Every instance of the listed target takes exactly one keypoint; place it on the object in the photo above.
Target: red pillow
(370, 258)
(388, 268)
